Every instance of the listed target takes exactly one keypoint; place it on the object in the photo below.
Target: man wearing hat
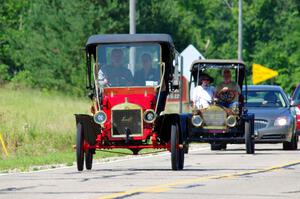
(203, 93)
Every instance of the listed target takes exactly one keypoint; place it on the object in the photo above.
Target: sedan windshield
(123, 65)
(265, 99)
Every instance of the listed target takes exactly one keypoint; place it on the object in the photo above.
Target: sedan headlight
(281, 121)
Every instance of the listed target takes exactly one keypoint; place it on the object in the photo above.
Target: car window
(265, 99)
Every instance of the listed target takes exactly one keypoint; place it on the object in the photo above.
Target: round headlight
(281, 121)
(149, 116)
(197, 120)
(100, 117)
(231, 121)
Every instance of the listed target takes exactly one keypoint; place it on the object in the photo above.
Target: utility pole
(132, 4)
(240, 31)
(132, 30)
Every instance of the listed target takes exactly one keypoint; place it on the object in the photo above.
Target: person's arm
(102, 79)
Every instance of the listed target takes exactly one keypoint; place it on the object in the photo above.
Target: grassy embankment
(38, 128)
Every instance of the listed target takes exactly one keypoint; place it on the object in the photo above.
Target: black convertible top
(216, 63)
(125, 38)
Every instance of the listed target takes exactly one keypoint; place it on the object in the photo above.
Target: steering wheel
(226, 96)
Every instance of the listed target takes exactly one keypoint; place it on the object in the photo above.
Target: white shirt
(202, 96)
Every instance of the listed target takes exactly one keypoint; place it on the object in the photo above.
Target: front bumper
(274, 134)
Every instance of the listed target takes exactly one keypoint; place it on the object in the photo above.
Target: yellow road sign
(261, 73)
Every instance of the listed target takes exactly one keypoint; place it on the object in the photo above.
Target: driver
(203, 93)
(115, 74)
(228, 91)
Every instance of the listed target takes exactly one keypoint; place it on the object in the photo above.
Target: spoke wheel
(249, 140)
(292, 145)
(177, 154)
(89, 159)
(79, 147)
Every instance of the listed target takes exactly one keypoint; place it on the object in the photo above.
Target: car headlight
(100, 117)
(281, 121)
(231, 121)
(149, 116)
(197, 120)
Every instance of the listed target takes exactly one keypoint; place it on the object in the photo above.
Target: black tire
(249, 140)
(215, 147)
(218, 146)
(292, 145)
(79, 147)
(89, 159)
(177, 154)
(186, 148)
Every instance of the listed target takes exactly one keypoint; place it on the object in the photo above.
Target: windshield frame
(158, 63)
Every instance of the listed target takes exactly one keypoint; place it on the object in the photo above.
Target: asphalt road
(270, 173)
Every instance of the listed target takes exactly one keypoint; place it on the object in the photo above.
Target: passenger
(203, 93)
(228, 91)
(115, 74)
(147, 73)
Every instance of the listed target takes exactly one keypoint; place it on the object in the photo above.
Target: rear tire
(293, 145)
(218, 147)
(89, 159)
(249, 140)
(177, 154)
(79, 148)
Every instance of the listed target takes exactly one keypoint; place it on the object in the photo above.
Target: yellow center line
(171, 185)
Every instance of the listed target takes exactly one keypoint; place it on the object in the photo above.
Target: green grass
(36, 126)
(39, 129)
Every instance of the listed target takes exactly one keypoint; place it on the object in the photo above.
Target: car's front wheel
(292, 145)
(249, 140)
(79, 148)
(177, 154)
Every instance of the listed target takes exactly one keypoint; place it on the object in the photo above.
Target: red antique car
(129, 78)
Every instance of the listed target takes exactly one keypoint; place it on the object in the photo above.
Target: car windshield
(265, 99)
(123, 65)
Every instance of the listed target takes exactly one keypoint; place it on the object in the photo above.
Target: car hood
(269, 113)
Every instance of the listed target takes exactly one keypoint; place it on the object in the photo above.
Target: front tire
(292, 145)
(249, 140)
(177, 154)
(79, 147)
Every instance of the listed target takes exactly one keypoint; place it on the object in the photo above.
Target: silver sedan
(274, 116)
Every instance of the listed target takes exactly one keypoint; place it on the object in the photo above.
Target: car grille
(214, 116)
(130, 119)
(260, 124)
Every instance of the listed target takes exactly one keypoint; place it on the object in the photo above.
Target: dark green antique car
(217, 124)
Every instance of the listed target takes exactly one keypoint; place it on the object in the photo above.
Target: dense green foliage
(42, 41)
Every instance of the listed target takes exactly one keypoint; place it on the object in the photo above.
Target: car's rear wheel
(218, 147)
(249, 139)
(292, 145)
(79, 147)
(89, 159)
(177, 154)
